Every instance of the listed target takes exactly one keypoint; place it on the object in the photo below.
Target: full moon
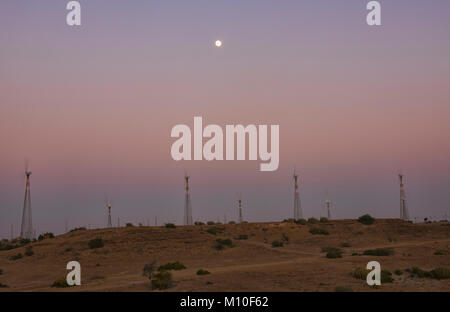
(218, 43)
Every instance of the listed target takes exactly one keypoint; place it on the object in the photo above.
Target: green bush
(332, 252)
(288, 221)
(162, 280)
(346, 245)
(203, 272)
(323, 219)
(214, 230)
(129, 224)
(386, 277)
(442, 252)
(418, 272)
(284, 238)
(222, 243)
(231, 222)
(29, 251)
(1, 271)
(210, 222)
(300, 221)
(46, 235)
(366, 219)
(318, 231)
(360, 273)
(343, 289)
(96, 243)
(3, 286)
(60, 283)
(313, 220)
(440, 273)
(16, 257)
(379, 252)
(242, 236)
(198, 223)
(276, 244)
(170, 225)
(78, 229)
(172, 266)
(398, 272)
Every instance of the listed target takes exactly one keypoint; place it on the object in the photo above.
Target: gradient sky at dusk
(92, 107)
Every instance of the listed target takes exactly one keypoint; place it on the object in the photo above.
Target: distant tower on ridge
(108, 206)
(297, 205)
(404, 214)
(328, 208)
(187, 202)
(26, 231)
(240, 209)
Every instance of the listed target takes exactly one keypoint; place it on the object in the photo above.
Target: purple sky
(92, 107)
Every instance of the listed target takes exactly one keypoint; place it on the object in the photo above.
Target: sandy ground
(251, 265)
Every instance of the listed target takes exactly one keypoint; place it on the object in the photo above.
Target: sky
(91, 108)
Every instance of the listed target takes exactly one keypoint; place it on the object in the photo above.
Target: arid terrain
(252, 264)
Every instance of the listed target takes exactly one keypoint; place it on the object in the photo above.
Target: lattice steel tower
(297, 205)
(240, 209)
(187, 203)
(404, 214)
(328, 208)
(108, 206)
(26, 231)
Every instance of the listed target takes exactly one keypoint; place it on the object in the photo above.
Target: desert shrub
(170, 225)
(442, 252)
(418, 272)
(355, 254)
(162, 280)
(16, 257)
(440, 273)
(265, 229)
(3, 285)
(300, 221)
(203, 272)
(360, 273)
(332, 252)
(313, 220)
(210, 222)
(346, 245)
(177, 265)
(366, 219)
(29, 251)
(379, 252)
(284, 238)
(242, 236)
(288, 220)
(96, 243)
(231, 222)
(222, 243)
(129, 224)
(276, 244)
(148, 269)
(1, 271)
(60, 283)
(318, 231)
(214, 230)
(323, 219)
(199, 223)
(343, 289)
(68, 249)
(78, 229)
(46, 235)
(398, 272)
(386, 277)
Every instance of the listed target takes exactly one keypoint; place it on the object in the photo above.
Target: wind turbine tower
(328, 208)
(240, 209)
(108, 205)
(297, 204)
(187, 203)
(26, 231)
(404, 214)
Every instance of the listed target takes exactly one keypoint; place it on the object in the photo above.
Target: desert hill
(252, 263)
